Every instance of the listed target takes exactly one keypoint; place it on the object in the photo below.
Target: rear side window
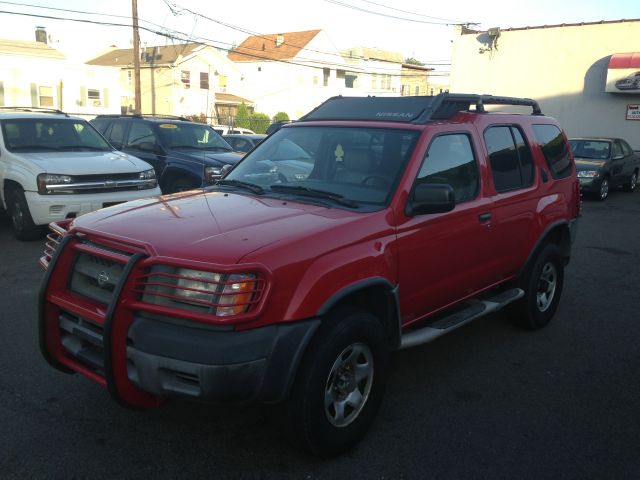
(450, 161)
(555, 149)
(510, 158)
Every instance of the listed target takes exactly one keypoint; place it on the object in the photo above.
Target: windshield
(191, 136)
(590, 149)
(357, 165)
(56, 134)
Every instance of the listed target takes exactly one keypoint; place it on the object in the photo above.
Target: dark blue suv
(184, 154)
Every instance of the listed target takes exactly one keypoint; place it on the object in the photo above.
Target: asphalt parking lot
(487, 401)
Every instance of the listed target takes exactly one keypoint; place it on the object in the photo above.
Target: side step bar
(459, 318)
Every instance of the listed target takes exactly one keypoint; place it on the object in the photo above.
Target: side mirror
(430, 198)
(225, 169)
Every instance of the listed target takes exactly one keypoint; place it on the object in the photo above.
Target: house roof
(368, 53)
(164, 55)
(267, 47)
(29, 49)
(232, 99)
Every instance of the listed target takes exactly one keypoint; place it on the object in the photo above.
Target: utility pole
(136, 57)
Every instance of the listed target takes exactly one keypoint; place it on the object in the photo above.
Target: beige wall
(564, 68)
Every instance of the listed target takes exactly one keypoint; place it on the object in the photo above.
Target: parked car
(417, 215)
(632, 82)
(605, 163)
(243, 142)
(226, 130)
(184, 154)
(54, 166)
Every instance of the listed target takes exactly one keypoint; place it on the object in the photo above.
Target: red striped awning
(625, 60)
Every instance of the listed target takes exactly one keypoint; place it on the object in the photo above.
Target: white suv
(53, 166)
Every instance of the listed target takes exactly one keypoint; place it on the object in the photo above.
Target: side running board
(459, 318)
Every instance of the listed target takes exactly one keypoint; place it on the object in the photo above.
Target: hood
(86, 163)
(216, 227)
(588, 164)
(209, 157)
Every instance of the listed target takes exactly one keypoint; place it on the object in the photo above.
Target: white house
(296, 71)
(180, 79)
(32, 74)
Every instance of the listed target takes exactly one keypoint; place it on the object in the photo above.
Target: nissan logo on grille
(102, 278)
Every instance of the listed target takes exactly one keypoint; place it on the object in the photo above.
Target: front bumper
(216, 366)
(591, 185)
(140, 354)
(45, 209)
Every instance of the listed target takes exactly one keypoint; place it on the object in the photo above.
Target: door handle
(484, 217)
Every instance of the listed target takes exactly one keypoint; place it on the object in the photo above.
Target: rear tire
(542, 283)
(340, 384)
(23, 226)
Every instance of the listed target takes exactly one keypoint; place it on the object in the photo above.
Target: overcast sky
(412, 27)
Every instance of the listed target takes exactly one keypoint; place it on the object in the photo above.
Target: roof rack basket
(417, 109)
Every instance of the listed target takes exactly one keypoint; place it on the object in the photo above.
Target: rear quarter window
(555, 149)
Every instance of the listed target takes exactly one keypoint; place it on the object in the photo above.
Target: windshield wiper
(35, 147)
(190, 147)
(217, 147)
(252, 187)
(312, 192)
(84, 147)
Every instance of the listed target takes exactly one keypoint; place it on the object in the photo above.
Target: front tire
(23, 226)
(340, 384)
(542, 284)
(631, 184)
(603, 192)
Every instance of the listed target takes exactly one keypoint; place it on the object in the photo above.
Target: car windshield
(191, 136)
(30, 135)
(591, 149)
(351, 166)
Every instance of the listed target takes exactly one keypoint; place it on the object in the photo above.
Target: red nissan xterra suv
(370, 225)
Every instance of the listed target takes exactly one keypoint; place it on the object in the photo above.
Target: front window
(41, 135)
(591, 149)
(191, 136)
(360, 165)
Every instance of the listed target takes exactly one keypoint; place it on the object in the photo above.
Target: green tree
(258, 122)
(242, 118)
(280, 117)
(413, 61)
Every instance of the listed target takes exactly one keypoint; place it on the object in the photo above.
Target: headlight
(211, 174)
(48, 180)
(588, 174)
(219, 294)
(149, 176)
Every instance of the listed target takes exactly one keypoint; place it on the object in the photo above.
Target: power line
(372, 12)
(415, 13)
(177, 9)
(180, 36)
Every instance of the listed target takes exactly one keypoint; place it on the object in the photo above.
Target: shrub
(258, 122)
(243, 118)
(280, 117)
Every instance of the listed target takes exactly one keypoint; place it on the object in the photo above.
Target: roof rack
(36, 110)
(417, 110)
(143, 115)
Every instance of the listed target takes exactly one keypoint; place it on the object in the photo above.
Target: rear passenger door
(514, 199)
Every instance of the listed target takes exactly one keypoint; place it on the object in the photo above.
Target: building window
(93, 97)
(315, 80)
(374, 81)
(405, 90)
(325, 74)
(129, 77)
(222, 83)
(350, 80)
(45, 96)
(417, 90)
(204, 80)
(185, 77)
